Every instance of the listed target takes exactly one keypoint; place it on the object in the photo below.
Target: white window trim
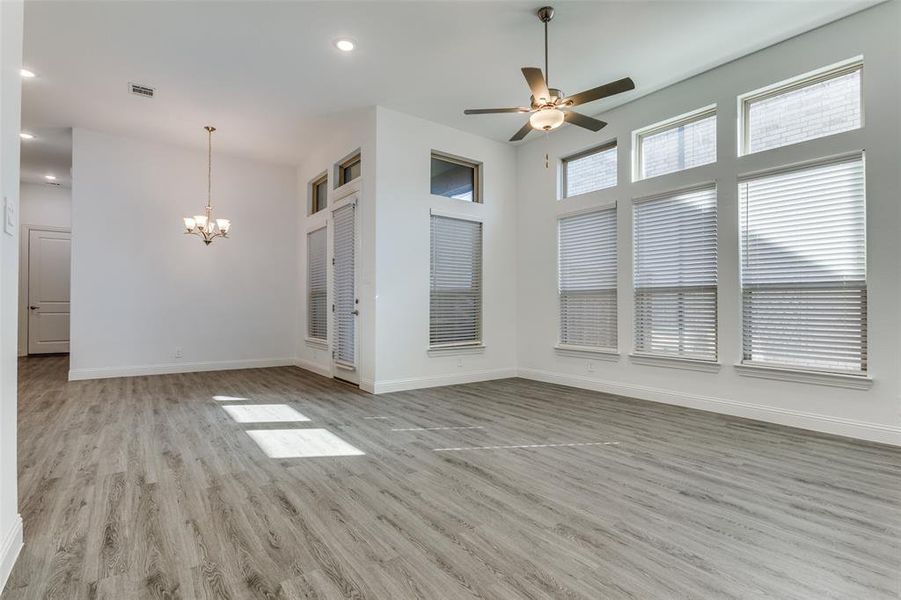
(676, 362)
(683, 119)
(597, 149)
(450, 214)
(841, 380)
(611, 354)
(788, 85)
(456, 349)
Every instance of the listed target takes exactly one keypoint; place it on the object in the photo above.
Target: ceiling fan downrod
(545, 14)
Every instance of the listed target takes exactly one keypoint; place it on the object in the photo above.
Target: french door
(345, 304)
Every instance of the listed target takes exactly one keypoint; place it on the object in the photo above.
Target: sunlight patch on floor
(227, 398)
(264, 413)
(301, 443)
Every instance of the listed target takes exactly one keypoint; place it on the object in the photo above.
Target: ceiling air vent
(141, 90)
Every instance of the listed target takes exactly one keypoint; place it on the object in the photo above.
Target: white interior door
(345, 305)
(48, 291)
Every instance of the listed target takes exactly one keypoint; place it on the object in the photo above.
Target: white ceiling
(266, 73)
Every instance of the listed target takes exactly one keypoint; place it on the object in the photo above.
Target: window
(681, 143)
(349, 170)
(457, 178)
(675, 275)
(319, 194)
(317, 290)
(588, 279)
(803, 267)
(590, 171)
(455, 303)
(815, 106)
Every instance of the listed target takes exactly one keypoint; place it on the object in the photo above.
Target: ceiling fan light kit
(550, 107)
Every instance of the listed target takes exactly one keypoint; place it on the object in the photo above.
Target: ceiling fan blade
(522, 132)
(609, 89)
(583, 121)
(536, 82)
(489, 111)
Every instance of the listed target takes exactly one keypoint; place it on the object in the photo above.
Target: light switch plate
(9, 222)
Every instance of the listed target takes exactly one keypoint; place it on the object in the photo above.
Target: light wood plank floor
(148, 488)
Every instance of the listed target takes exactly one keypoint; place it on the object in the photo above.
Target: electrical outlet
(179, 353)
(590, 366)
(459, 363)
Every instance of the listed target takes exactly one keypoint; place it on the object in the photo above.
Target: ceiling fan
(549, 107)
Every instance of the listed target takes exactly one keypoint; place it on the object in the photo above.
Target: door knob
(34, 307)
(354, 312)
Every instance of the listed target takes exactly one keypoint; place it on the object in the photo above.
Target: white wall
(341, 135)
(874, 413)
(10, 111)
(403, 205)
(141, 288)
(40, 205)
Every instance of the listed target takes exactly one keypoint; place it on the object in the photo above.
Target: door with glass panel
(345, 304)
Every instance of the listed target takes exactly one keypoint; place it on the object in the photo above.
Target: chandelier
(204, 225)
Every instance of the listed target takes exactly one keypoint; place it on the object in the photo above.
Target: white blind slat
(455, 305)
(587, 265)
(344, 284)
(317, 287)
(803, 267)
(675, 248)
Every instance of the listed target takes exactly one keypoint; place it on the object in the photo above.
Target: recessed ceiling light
(50, 177)
(345, 45)
(25, 135)
(26, 73)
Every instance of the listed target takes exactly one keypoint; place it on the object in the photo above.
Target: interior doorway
(47, 284)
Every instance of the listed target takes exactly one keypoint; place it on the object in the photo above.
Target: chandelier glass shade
(204, 225)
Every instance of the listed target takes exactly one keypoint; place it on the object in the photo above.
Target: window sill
(676, 362)
(319, 344)
(842, 380)
(587, 352)
(460, 350)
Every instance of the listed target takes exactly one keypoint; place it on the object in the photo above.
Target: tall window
(317, 289)
(588, 279)
(455, 303)
(804, 109)
(681, 143)
(589, 171)
(675, 241)
(803, 267)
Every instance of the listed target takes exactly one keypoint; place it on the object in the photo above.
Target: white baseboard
(313, 367)
(164, 369)
(10, 546)
(874, 432)
(415, 383)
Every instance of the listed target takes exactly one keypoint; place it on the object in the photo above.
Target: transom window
(806, 108)
(455, 177)
(589, 171)
(350, 169)
(681, 143)
(319, 194)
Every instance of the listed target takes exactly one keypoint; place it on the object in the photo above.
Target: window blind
(587, 286)
(455, 304)
(803, 267)
(344, 284)
(675, 250)
(317, 288)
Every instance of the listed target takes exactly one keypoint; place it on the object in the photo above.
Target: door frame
(24, 281)
(337, 370)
